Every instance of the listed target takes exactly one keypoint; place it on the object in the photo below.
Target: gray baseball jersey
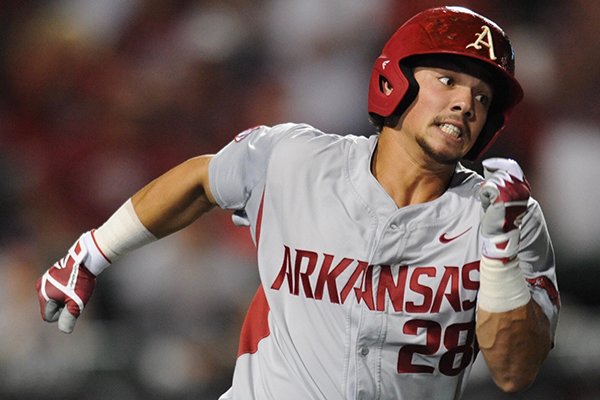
(359, 299)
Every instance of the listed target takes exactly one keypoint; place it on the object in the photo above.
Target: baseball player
(385, 264)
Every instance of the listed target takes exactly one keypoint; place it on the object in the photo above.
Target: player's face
(448, 114)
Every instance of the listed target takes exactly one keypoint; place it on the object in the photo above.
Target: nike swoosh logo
(444, 239)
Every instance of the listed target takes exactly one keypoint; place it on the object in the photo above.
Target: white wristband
(502, 286)
(121, 233)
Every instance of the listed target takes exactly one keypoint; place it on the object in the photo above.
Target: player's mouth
(453, 129)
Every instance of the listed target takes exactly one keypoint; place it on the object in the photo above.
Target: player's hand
(65, 288)
(504, 195)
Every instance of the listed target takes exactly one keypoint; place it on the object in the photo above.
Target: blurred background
(98, 97)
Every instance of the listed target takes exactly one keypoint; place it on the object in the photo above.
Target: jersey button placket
(364, 351)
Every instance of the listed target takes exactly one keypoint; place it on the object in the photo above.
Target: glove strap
(503, 247)
(90, 255)
(502, 286)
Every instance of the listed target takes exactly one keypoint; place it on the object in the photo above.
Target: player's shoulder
(282, 130)
(304, 136)
(303, 131)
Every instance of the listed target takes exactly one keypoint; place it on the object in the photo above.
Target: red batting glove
(504, 195)
(66, 287)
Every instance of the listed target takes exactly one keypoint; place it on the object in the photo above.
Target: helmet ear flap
(382, 103)
(401, 79)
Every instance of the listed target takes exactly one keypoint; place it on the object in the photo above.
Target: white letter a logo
(484, 38)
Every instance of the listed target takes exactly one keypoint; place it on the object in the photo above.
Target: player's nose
(462, 102)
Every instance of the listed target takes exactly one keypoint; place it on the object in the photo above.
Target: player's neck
(405, 178)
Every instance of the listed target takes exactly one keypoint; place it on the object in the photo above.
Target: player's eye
(446, 80)
(483, 99)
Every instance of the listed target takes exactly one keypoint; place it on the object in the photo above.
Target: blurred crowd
(98, 97)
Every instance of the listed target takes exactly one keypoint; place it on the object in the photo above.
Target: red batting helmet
(452, 31)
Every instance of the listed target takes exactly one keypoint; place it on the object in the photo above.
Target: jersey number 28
(453, 361)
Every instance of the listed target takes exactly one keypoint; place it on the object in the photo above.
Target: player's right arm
(175, 199)
(164, 206)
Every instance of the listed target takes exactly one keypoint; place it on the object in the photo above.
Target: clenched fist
(65, 288)
(504, 196)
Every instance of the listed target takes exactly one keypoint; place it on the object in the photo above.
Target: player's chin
(442, 153)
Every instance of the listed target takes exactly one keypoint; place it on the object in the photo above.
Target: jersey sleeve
(238, 168)
(536, 258)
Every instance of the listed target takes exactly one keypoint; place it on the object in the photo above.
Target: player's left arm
(513, 332)
(514, 344)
